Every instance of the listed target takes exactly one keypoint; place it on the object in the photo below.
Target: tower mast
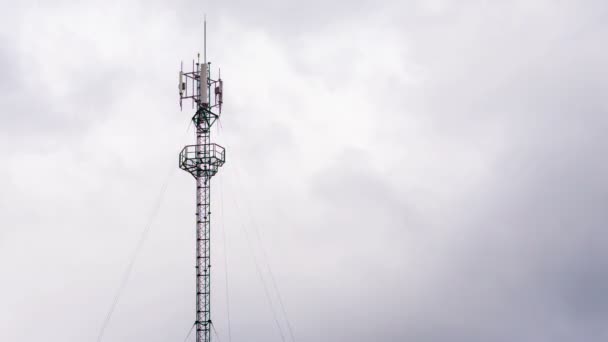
(202, 161)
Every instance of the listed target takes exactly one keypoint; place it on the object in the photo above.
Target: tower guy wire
(215, 332)
(190, 332)
(133, 258)
(267, 262)
(259, 270)
(264, 255)
(136, 251)
(225, 258)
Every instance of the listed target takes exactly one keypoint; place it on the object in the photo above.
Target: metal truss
(202, 161)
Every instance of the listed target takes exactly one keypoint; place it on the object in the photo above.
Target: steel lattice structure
(202, 161)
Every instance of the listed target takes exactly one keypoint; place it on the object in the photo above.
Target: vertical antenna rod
(202, 161)
(205, 40)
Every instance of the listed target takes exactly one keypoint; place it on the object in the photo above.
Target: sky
(395, 171)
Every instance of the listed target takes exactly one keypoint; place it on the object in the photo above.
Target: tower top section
(198, 85)
(205, 93)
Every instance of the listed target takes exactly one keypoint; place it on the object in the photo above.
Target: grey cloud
(456, 192)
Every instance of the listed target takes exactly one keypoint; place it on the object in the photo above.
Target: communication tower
(202, 161)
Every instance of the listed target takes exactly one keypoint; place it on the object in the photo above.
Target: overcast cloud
(410, 170)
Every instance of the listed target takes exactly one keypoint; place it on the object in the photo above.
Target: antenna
(205, 38)
(202, 161)
(181, 85)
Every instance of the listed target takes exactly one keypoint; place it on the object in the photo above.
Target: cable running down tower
(202, 161)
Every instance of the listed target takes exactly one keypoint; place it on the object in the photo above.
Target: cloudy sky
(396, 171)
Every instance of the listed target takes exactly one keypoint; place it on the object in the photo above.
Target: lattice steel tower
(202, 161)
